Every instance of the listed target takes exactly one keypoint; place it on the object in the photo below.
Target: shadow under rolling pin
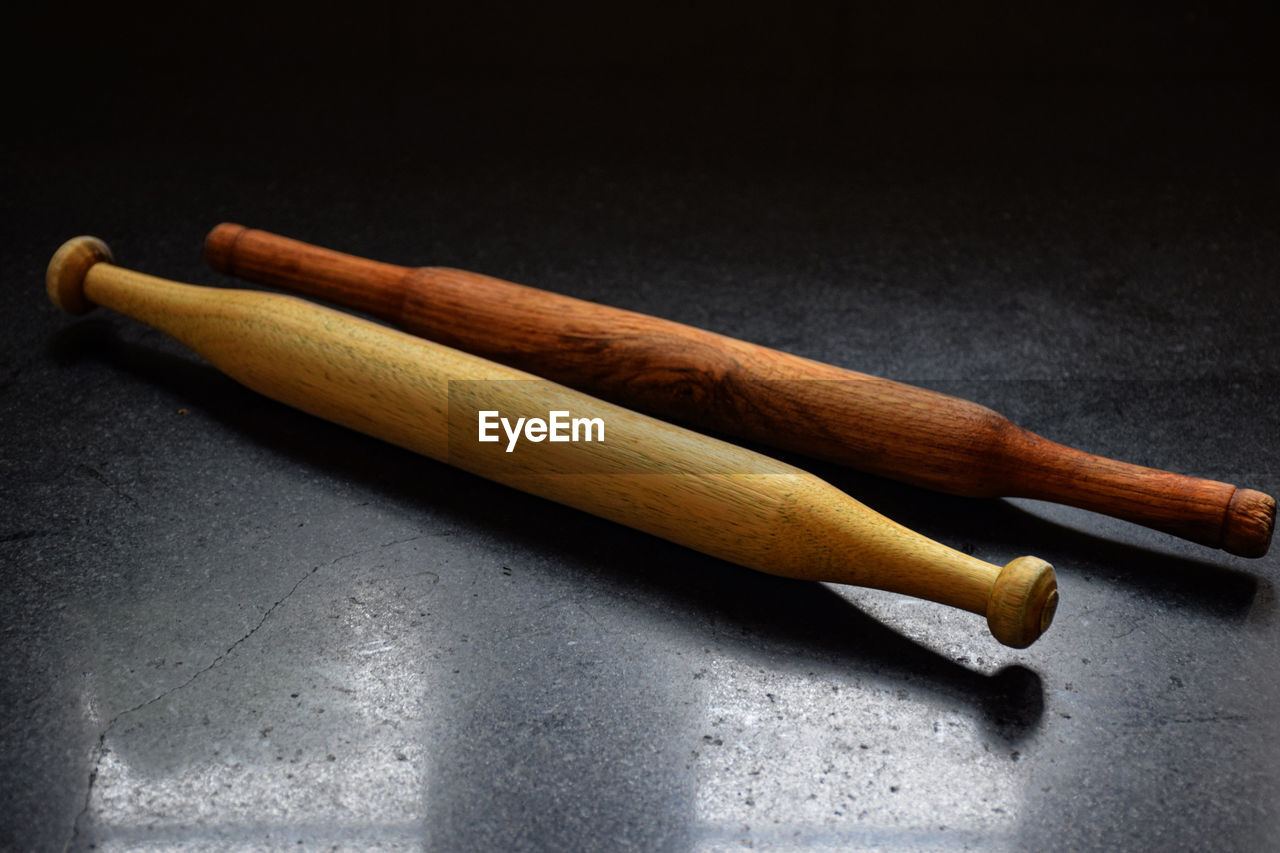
(723, 384)
(694, 490)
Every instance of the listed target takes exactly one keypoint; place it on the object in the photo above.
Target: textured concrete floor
(227, 625)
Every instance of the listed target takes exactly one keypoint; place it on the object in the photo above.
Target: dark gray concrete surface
(227, 625)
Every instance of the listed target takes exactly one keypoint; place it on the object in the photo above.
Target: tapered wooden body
(691, 489)
(720, 383)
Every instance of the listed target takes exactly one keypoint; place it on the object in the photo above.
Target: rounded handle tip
(1023, 601)
(220, 245)
(64, 279)
(1250, 520)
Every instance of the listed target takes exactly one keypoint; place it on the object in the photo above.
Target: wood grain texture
(723, 384)
(697, 491)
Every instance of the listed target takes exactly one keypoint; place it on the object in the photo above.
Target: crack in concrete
(89, 470)
(99, 750)
(402, 541)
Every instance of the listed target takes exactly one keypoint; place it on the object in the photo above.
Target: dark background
(227, 624)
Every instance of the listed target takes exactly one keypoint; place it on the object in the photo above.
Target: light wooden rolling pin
(697, 491)
(698, 377)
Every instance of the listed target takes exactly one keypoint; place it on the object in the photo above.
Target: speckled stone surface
(229, 626)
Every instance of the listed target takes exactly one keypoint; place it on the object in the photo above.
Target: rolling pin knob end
(1250, 519)
(1023, 601)
(64, 279)
(220, 246)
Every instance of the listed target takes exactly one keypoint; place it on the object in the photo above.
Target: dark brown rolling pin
(720, 383)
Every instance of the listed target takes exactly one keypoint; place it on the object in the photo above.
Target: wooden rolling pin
(697, 491)
(727, 385)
